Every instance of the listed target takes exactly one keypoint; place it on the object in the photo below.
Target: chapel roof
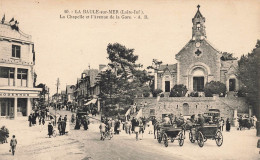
(171, 67)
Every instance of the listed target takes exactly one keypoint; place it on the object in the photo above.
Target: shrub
(241, 92)
(146, 94)
(162, 95)
(146, 91)
(179, 90)
(214, 87)
(194, 94)
(156, 92)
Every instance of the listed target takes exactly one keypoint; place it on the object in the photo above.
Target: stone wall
(192, 105)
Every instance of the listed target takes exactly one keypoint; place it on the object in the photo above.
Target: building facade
(17, 60)
(198, 62)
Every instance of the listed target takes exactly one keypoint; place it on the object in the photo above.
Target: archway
(186, 109)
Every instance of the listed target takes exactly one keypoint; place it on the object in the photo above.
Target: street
(33, 143)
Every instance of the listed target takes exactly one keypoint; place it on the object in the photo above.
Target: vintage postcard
(129, 80)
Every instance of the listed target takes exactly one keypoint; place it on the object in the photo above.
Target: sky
(65, 47)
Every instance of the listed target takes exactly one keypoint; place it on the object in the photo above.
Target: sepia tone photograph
(129, 80)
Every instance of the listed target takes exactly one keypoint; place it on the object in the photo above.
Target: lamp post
(58, 83)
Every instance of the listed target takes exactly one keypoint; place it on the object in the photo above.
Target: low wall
(191, 105)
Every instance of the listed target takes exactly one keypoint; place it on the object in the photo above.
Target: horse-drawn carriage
(167, 132)
(245, 123)
(207, 131)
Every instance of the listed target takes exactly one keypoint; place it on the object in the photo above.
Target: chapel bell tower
(198, 29)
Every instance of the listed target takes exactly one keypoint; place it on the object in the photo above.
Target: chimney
(101, 66)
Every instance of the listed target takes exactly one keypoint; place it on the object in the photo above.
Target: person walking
(13, 144)
(228, 125)
(50, 129)
(43, 121)
(77, 126)
(72, 118)
(154, 122)
(40, 120)
(34, 119)
(141, 128)
(222, 123)
(102, 128)
(30, 120)
(136, 128)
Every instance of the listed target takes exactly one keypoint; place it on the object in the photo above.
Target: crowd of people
(42, 115)
(81, 120)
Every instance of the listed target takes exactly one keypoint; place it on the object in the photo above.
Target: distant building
(70, 94)
(87, 88)
(63, 98)
(17, 75)
(198, 62)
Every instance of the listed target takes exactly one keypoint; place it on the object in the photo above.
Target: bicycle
(107, 134)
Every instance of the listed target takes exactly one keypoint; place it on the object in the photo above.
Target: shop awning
(93, 101)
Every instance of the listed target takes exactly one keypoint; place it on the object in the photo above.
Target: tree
(124, 80)
(43, 92)
(122, 58)
(214, 87)
(248, 74)
(179, 90)
(227, 56)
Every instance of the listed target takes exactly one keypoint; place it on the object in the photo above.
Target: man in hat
(166, 119)
(201, 120)
(13, 144)
(154, 123)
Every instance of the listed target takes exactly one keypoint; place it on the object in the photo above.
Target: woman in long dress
(228, 125)
(77, 126)
(67, 129)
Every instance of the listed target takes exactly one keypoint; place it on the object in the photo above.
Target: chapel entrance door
(167, 86)
(232, 84)
(198, 84)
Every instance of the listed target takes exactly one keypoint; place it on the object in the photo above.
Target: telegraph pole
(48, 96)
(58, 83)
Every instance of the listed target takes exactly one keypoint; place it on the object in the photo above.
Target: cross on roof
(198, 6)
(198, 52)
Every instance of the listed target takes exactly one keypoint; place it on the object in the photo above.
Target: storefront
(15, 103)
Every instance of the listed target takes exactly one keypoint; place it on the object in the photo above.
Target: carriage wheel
(200, 139)
(159, 138)
(181, 139)
(219, 138)
(191, 137)
(205, 139)
(165, 140)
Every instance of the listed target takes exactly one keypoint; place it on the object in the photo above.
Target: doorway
(232, 84)
(198, 84)
(167, 86)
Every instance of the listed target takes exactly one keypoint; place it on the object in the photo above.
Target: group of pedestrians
(63, 125)
(81, 120)
(42, 115)
(114, 126)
